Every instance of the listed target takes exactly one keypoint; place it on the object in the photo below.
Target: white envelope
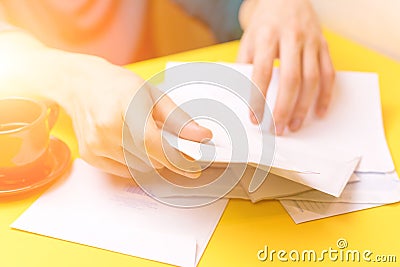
(352, 127)
(371, 188)
(303, 210)
(95, 209)
(370, 191)
(324, 158)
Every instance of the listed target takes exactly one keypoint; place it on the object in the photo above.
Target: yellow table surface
(245, 227)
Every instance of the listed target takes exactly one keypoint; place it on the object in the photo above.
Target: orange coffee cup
(25, 126)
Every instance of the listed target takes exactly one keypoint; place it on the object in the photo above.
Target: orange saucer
(57, 164)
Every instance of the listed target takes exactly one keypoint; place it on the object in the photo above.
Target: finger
(147, 137)
(124, 156)
(137, 116)
(159, 149)
(113, 167)
(289, 82)
(245, 54)
(122, 152)
(263, 65)
(135, 157)
(178, 121)
(309, 86)
(327, 80)
(134, 162)
(108, 165)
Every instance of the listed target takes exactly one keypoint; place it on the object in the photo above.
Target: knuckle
(297, 34)
(323, 42)
(266, 35)
(314, 41)
(311, 76)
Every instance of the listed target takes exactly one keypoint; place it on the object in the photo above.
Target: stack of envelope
(331, 166)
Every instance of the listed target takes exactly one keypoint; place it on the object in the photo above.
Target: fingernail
(295, 124)
(195, 132)
(205, 140)
(279, 128)
(193, 175)
(192, 124)
(207, 133)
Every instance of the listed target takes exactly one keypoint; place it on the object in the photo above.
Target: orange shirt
(124, 31)
(112, 29)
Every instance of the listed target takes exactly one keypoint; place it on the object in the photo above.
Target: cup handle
(53, 110)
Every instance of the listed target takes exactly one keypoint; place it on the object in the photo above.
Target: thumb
(160, 150)
(176, 120)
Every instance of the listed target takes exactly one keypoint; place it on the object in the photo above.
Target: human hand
(96, 94)
(288, 30)
(101, 106)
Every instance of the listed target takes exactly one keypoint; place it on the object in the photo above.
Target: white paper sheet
(304, 211)
(273, 187)
(353, 125)
(278, 187)
(323, 165)
(371, 190)
(328, 175)
(111, 213)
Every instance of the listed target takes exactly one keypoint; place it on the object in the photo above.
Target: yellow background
(245, 227)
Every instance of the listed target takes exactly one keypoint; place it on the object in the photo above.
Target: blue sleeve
(220, 15)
